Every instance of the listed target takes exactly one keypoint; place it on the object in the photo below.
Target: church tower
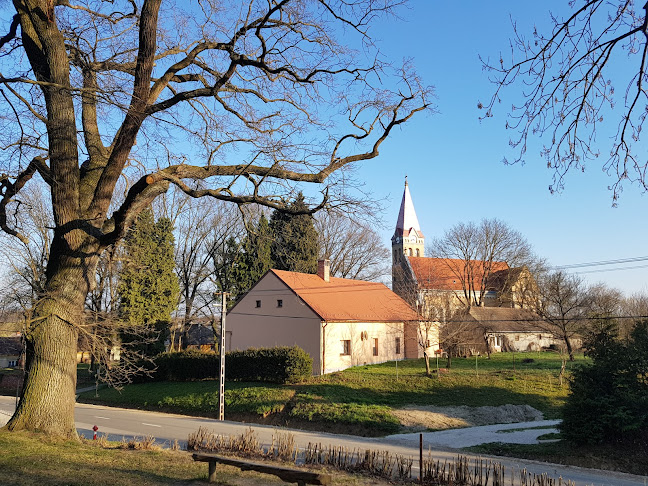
(408, 240)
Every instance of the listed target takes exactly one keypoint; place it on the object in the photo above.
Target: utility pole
(221, 378)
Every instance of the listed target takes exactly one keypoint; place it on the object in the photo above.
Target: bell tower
(408, 240)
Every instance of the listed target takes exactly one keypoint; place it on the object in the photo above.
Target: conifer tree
(148, 287)
(295, 247)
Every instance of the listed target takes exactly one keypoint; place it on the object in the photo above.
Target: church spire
(407, 220)
(408, 238)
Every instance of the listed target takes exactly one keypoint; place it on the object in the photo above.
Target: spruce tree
(295, 247)
(148, 287)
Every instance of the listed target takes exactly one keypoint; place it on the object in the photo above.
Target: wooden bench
(288, 474)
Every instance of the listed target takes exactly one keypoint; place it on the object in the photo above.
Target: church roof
(445, 273)
(343, 300)
(407, 220)
(503, 319)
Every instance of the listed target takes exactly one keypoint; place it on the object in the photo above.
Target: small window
(279, 303)
(540, 336)
(258, 303)
(13, 364)
(375, 346)
(418, 252)
(346, 347)
(398, 348)
(517, 337)
(410, 252)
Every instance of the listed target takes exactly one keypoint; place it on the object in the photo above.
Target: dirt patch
(416, 418)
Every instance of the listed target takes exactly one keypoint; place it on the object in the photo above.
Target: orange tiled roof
(444, 273)
(342, 299)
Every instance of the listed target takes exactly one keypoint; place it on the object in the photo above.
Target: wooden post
(421, 458)
(212, 472)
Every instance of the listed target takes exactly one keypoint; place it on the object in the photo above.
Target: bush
(187, 365)
(274, 365)
(608, 398)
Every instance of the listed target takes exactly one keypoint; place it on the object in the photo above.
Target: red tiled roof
(503, 319)
(444, 273)
(342, 299)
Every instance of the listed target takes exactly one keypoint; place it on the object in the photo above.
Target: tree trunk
(570, 350)
(48, 396)
(427, 364)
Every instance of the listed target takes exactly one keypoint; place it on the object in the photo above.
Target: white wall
(269, 325)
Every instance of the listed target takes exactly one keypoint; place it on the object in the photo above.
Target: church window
(418, 252)
(410, 252)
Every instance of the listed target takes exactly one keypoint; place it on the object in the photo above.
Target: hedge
(274, 365)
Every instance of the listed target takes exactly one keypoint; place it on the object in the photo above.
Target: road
(118, 423)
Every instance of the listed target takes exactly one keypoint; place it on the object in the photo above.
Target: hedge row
(275, 365)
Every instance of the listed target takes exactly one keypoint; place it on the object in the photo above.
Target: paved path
(118, 423)
(519, 433)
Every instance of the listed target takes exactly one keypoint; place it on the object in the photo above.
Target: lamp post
(221, 377)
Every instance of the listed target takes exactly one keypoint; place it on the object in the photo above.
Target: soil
(417, 418)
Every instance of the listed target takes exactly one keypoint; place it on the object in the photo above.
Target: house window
(258, 303)
(375, 346)
(410, 252)
(517, 337)
(539, 336)
(418, 252)
(279, 303)
(398, 348)
(346, 347)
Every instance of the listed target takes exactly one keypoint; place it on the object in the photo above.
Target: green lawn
(359, 400)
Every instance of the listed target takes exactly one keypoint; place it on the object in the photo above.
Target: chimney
(324, 269)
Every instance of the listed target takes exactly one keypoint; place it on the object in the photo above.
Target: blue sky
(454, 161)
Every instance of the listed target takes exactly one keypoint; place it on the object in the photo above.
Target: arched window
(418, 252)
(410, 252)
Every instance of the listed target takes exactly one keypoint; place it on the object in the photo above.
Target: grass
(615, 457)
(359, 400)
(28, 459)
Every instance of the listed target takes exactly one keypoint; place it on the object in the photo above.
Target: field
(361, 400)
(35, 460)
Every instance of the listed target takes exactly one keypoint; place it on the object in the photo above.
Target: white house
(339, 322)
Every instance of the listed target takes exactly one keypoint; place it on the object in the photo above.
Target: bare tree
(564, 305)
(473, 253)
(354, 248)
(589, 69)
(238, 103)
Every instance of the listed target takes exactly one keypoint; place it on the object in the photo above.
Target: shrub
(187, 365)
(274, 365)
(608, 398)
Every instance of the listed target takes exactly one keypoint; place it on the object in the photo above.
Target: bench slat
(286, 473)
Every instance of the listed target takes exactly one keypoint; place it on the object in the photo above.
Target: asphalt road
(120, 423)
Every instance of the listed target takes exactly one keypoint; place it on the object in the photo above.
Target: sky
(454, 162)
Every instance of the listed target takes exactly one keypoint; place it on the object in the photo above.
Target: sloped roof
(342, 299)
(407, 220)
(443, 273)
(10, 346)
(503, 319)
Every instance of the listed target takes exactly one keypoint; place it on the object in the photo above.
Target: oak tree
(237, 100)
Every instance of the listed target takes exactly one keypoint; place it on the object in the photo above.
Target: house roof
(342, 299)
(502, 319)
(444, 273)
(10, 346)
(407, 220)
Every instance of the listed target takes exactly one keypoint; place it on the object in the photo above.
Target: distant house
(10, 351)
(480, 330)
(199, 335)
(339, 322)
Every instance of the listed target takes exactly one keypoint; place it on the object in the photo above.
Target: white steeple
(408, 238)
(407, 219)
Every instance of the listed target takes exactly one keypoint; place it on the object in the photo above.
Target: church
(451, 293)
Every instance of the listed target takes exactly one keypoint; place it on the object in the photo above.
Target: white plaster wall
(361, 349)
(269, 325)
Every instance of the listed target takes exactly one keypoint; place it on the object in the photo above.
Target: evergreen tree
(148, 287)
(295, 247)
(256, 258)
